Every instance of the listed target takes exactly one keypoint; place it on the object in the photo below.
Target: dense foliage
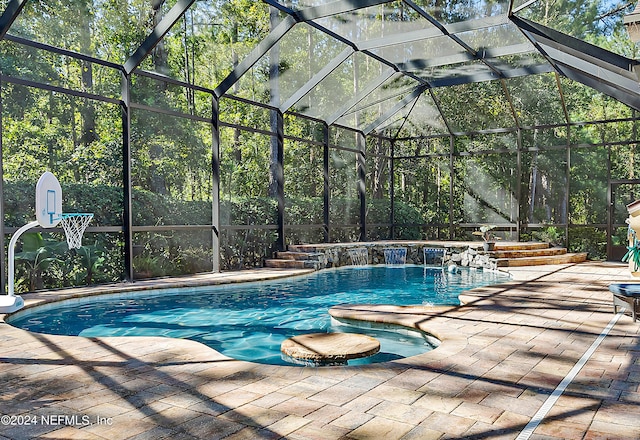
(43, 259)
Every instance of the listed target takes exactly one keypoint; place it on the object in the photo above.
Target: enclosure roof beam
(622, 88)
(400, 38)
(174, 14)
(334, 8)
(590, 65)
(599, 56)
(442, 115)
(9, 15)
(512, 108)
(258, 52)
(325, 10)
(370, 88)
(491, 76)
(395, 109)
(517, 9)
(60, 51)
(563, 101)
(387, 100)
(436, 31)
(315, 80)
(295, 16)
(619, 77)
(446, 32)
(475, 24)
(488, 53)
(406, 118)
(458, 58)
(628, 98)
(396, 68)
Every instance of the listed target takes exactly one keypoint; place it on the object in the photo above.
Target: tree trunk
(88, 110)
(160, 56)
(237, 152)
(274, 84)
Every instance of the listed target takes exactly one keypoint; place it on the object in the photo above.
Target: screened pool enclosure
(204, 135)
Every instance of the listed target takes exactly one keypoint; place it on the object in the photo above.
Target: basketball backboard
(48, 200)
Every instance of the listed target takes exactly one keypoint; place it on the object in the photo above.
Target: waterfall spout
(434, 256)
(359, 256)
(395, 256)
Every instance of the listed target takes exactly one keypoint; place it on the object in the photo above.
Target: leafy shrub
(550, 235)
(589, 239)
(408, 221)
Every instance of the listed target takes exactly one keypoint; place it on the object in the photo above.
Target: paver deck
(503, 353)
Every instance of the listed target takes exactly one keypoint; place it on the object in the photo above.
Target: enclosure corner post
(452, 172)
(326, 184)
(215, 185)
(362, 189)
(392, 193)
(127, 217)
(278, 172)
(520, 210)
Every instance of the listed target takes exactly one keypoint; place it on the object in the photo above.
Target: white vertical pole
(12, 252)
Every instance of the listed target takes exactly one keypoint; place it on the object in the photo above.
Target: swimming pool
(250, 321)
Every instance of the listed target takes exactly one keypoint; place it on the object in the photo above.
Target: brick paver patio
(502, 355)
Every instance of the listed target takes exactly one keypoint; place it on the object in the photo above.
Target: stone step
(290, 255)
(521, 246)
(307, 248)
(292, 264)
(539, 261)
(527, 253)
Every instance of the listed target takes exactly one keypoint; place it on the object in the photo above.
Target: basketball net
(74, 226)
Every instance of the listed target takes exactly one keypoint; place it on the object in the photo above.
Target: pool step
(293, 264)
(542, 260)
(521, 246)
(303, 248)
(534, 254)
(290, 255)
(522, 253)
(297, 260)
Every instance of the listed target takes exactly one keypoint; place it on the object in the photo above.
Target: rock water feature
(395, 256)
(452, 253)
(472, 258)
(359, 256)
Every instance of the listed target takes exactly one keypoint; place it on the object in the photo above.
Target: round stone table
(329, 348)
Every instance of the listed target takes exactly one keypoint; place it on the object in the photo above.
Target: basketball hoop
(74, 225)
(48, 215)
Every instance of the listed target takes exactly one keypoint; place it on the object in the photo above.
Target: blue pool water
(250, 321)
